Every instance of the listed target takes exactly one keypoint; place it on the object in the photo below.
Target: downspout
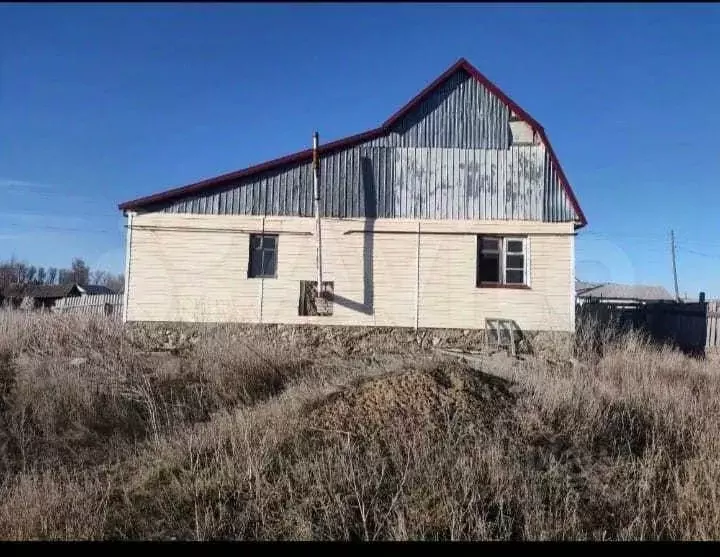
(128, 251)
(316, 191)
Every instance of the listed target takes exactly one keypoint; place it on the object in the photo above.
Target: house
(610, 292)
(454, 210)
(38, 296)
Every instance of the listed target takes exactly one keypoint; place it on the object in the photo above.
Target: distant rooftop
(615, 291)
(38, 290)
(92, 289)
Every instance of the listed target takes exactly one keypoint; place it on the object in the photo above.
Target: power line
(31, 227)
(717, 256)
(650, 237)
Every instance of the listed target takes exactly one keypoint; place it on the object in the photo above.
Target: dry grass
(246, 435)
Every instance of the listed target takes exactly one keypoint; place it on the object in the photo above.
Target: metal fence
(95, 304)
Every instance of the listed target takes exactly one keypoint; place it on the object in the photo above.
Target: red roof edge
(351, 141)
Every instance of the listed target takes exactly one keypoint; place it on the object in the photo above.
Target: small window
(263, 256)
(501, 261)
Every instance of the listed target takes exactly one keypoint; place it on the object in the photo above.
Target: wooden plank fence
(693, 326)
(94, 304)
(712, 341)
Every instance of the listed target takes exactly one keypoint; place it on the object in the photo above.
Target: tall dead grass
(101, 439)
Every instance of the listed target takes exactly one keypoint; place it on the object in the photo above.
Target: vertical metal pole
(316, 188)
(672, 248)
(128, 253)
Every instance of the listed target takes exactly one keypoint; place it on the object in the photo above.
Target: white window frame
(502, 261)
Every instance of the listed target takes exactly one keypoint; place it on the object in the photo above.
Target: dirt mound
(425, 398)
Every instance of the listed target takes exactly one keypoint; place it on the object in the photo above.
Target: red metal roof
(345, 143)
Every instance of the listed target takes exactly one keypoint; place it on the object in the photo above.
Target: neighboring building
(38, 296)
(94, 290)
(454, 210)
(609, 292)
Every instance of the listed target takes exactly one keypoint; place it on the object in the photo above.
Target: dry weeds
(245, 435)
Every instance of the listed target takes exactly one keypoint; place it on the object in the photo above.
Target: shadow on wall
(370, 196)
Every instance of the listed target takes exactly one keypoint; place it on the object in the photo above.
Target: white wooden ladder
(503, 334)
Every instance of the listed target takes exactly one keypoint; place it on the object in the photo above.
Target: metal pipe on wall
(316, 191)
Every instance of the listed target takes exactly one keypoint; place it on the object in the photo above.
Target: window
(501, 261)
(263, 256)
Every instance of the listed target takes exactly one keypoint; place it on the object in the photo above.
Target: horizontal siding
(452, 157)
(449, 297)
(194, 268)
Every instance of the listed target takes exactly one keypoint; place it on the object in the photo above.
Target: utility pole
(672, 249)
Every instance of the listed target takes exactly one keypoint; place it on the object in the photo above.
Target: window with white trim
(501, 261)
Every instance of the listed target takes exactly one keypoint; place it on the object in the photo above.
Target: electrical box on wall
(312, 304)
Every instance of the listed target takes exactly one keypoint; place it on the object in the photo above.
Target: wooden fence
(94, 304)
(712, 342)
(692, 327)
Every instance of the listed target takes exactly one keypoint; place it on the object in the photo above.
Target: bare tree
(99, 277)
(116, 283)
(15, 271)
(22, 273)
(7, 273)
(80, 272)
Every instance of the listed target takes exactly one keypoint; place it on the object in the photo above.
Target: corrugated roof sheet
(452, 138)
(611, 290)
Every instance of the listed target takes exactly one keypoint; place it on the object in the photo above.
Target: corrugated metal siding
(449, 159)
(460, 113)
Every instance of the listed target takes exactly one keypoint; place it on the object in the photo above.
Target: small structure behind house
(37, 296)
(615, 293)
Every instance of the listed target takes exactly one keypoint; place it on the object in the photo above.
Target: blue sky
(100, 104)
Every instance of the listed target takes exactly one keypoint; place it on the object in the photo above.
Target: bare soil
(422, 398)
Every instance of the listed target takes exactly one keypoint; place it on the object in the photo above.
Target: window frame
(262, 250)
(502, 261)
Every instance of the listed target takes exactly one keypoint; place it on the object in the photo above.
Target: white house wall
(194, 268)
